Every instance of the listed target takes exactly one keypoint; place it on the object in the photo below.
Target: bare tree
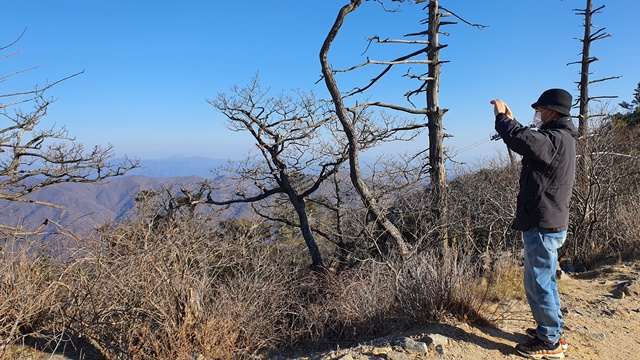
(348, 119)
(585, 191)
(429, 84)
(436, 126)
(298, 150)
(33, 156)
(585, 62)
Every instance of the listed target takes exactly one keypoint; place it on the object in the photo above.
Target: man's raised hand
(500, 107)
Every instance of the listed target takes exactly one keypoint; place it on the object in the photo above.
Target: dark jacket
(548, 171)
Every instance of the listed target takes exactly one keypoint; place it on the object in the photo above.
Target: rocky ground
(602, 314)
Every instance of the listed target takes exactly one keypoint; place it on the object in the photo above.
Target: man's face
(546, 114)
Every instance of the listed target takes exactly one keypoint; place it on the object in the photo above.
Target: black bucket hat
(555, 99)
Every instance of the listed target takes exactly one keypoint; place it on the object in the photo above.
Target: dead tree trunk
(585, 62)
(585, 185)
(437, 169)
(583, 86)
(350, 132)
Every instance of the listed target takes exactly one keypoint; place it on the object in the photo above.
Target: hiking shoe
(531, 333)
(538, 349)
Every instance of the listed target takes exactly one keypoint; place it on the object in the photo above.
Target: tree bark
(583, 121)
(316, 258)
(437, 170)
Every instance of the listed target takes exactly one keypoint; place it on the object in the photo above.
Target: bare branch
(604, 79)
(392, 41)
(598, 35)
(32, 157)
(393, 107)
(478, 26)
(400, 60)
(15, 41)
(252, 199)
(45, 88)
(391, 63)
(603, 97)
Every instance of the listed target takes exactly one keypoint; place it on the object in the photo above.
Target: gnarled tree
(297, 152)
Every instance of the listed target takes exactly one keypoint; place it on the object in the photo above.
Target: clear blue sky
(149, 66)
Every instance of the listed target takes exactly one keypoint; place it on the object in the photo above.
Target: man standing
(546, 181)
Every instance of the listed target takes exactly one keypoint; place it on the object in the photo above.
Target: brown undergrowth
(136, 291)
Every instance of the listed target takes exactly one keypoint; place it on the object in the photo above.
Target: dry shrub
(377, 297)
(606, 193)
(627, 229)
(144, 292)
(353, 304)
(150, 288)
(505, 282)
(498, 292)
(257, 301)
(180, 290)
(433, 285)
(482, 205)
(29, 288)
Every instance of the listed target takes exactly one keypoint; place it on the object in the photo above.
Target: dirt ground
(599, 325)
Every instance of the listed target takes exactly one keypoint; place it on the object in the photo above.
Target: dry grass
(29, 285)
(135, 292)
(183, 290)
(505, 282)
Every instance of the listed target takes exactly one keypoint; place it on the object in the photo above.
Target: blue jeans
(540, 264)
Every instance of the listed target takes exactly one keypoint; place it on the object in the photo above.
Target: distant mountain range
(89, 205)
(177, 166)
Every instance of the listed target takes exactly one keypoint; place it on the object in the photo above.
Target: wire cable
(473, 145)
